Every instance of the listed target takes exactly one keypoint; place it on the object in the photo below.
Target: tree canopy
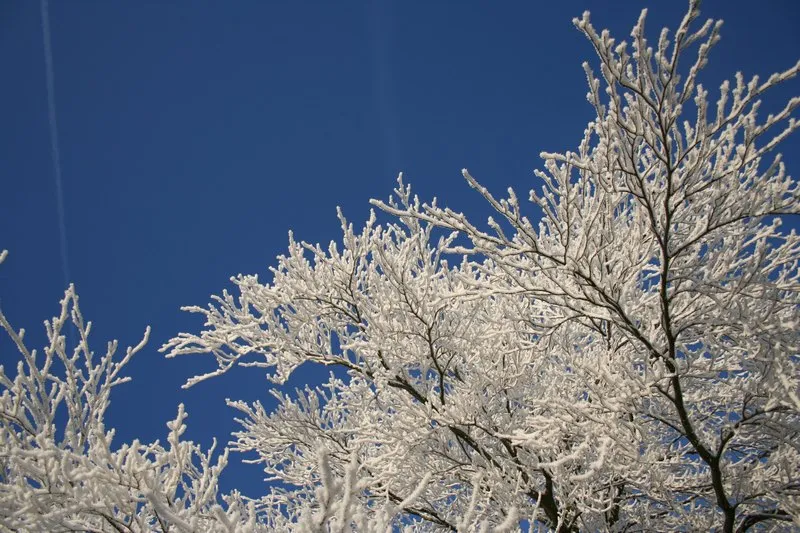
(621, 355)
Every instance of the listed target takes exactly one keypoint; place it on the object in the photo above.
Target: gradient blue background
(195, 134)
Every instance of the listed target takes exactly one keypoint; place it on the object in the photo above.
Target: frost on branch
(627, 363)
(630, 362)
(661, 255)
(60, 471)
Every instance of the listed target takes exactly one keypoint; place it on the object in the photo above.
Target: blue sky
(194, 135)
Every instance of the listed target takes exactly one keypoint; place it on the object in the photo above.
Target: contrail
(55, 153)
(382, 84)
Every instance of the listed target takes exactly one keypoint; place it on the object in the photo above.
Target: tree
(631, 363)
(58, 471)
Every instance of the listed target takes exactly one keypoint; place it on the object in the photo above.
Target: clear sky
(193, 135)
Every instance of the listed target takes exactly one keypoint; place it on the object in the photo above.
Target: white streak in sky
(55, 153)
(380, 13)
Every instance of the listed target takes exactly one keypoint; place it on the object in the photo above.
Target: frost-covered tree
(629, 363)
(58, 468)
